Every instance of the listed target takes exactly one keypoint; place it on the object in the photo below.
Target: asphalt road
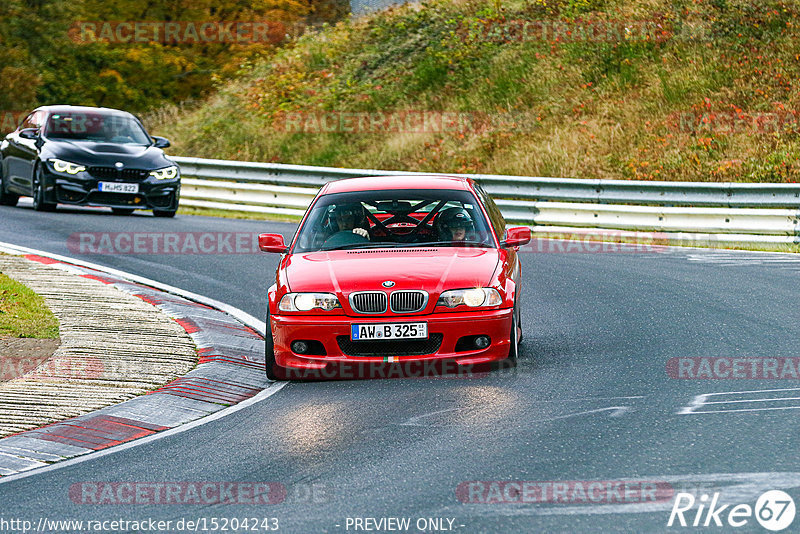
(589, 401)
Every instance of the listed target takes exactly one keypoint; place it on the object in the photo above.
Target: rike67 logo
(774, 510)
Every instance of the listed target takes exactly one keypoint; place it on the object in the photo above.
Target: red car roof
(377, 183)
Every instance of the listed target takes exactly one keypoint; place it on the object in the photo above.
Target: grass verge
(23, 313)
(246, 215)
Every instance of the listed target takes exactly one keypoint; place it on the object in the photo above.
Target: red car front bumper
(333, 332)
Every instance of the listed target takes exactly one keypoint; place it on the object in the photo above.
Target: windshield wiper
(452, 244)
(360, 245)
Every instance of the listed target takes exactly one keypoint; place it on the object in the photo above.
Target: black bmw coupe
(90, 157)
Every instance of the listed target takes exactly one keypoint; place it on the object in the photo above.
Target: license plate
(115, 187)
(363, 332)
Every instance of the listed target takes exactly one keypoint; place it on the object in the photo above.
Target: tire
(39, 203)
(271, 366)
(513, 346)
(6, 199)
(164, 213)
(122, 211)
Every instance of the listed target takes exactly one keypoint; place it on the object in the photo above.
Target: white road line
(751, 391)
(750, 410)
(754, 400)
(617, 411)
(702, 400)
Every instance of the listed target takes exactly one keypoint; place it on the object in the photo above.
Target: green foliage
(45, 59)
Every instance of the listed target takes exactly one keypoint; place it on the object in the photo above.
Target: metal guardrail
(766, 212)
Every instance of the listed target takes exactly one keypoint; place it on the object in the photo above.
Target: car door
(12, 158)
(20, 155)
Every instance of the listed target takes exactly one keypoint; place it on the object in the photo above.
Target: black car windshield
(394, 218)
(98, 127)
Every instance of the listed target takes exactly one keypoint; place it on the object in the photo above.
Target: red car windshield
(396, 218)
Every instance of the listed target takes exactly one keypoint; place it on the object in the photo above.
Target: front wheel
(164, 213)
(39, 203)
(6, 198)
(270, 364)
(513, 346)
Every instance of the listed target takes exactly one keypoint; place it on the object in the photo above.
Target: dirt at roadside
(19, 356)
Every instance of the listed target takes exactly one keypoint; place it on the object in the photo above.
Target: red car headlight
(294, 302)
(472, 298)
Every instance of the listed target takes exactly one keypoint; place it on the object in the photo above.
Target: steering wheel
(344, 237)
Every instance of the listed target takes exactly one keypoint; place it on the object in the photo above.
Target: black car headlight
(66, 167)
(167, 173)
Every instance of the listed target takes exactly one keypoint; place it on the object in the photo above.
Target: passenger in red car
(454, 224)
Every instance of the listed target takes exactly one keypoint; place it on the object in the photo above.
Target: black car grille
(394, 347)
(408, 301)
(369, 302)
(111, 173)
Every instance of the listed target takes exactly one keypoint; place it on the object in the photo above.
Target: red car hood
(430, 269)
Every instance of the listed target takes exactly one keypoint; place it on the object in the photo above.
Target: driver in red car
(350, 217)
(454, 224)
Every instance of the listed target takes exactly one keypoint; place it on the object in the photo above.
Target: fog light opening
(481, 342)
(299, 347)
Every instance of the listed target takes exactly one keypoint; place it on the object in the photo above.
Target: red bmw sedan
(395, 269)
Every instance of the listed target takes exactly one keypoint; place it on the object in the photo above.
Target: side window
(28, 122)
(38, 119)
(34, 120)
(496, 218)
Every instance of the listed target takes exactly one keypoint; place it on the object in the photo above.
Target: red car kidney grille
(369, 302)
(408, 301)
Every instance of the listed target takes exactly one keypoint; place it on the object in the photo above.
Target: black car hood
(107, 154)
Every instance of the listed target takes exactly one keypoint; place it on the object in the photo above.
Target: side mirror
(161, 142)
(29, 133)
(516, 237)
(272, 243)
